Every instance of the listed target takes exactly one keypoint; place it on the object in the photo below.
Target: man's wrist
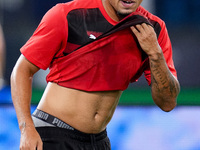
(24, 125)
(157, 55)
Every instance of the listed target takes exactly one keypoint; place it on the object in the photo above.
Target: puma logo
(92, 37)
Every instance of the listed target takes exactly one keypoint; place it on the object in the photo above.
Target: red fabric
(107, 64)
(110, 63)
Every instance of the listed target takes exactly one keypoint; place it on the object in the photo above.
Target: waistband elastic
(51, 119)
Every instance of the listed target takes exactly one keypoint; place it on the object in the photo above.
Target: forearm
(21, 96)
(164, 86)
(21, 90)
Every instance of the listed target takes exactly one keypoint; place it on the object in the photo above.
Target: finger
(140, 28)
(32, 147)
(135, 31)
(148, 28)
(40, 145)
(145, 27)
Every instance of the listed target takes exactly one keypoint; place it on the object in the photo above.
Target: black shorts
(55, 138)
(58, 135)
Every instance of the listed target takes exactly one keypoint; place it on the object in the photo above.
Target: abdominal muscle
(89, 112)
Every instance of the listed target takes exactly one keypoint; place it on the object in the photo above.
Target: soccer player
(94, 49)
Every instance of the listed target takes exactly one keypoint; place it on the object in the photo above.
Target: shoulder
(78, 4)
(158, 23)
(150, 16)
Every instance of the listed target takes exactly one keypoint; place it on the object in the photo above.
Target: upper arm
(24, 67)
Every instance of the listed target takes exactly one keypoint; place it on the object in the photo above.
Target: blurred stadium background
(137, 123)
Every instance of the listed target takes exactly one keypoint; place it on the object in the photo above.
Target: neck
(111, 11)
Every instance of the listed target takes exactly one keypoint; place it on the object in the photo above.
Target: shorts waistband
(76, 135)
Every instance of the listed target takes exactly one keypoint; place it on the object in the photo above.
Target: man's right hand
(30, 139)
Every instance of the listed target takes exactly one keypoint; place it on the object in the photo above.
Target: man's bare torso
(89, 112)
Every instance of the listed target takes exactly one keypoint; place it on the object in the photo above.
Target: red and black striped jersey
(85, 49)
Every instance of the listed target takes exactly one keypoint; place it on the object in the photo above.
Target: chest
(85, 25)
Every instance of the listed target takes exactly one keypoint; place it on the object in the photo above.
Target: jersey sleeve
(165, 44)
(47, 39)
